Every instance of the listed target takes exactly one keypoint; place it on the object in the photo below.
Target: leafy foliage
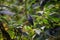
(30, 19)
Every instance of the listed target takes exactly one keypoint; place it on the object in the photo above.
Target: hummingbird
(30, 19)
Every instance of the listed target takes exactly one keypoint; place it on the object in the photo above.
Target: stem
(26, 8)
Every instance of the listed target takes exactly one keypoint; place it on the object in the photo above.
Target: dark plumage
(30, 19)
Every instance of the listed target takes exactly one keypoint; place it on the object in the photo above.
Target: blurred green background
(13, 14)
